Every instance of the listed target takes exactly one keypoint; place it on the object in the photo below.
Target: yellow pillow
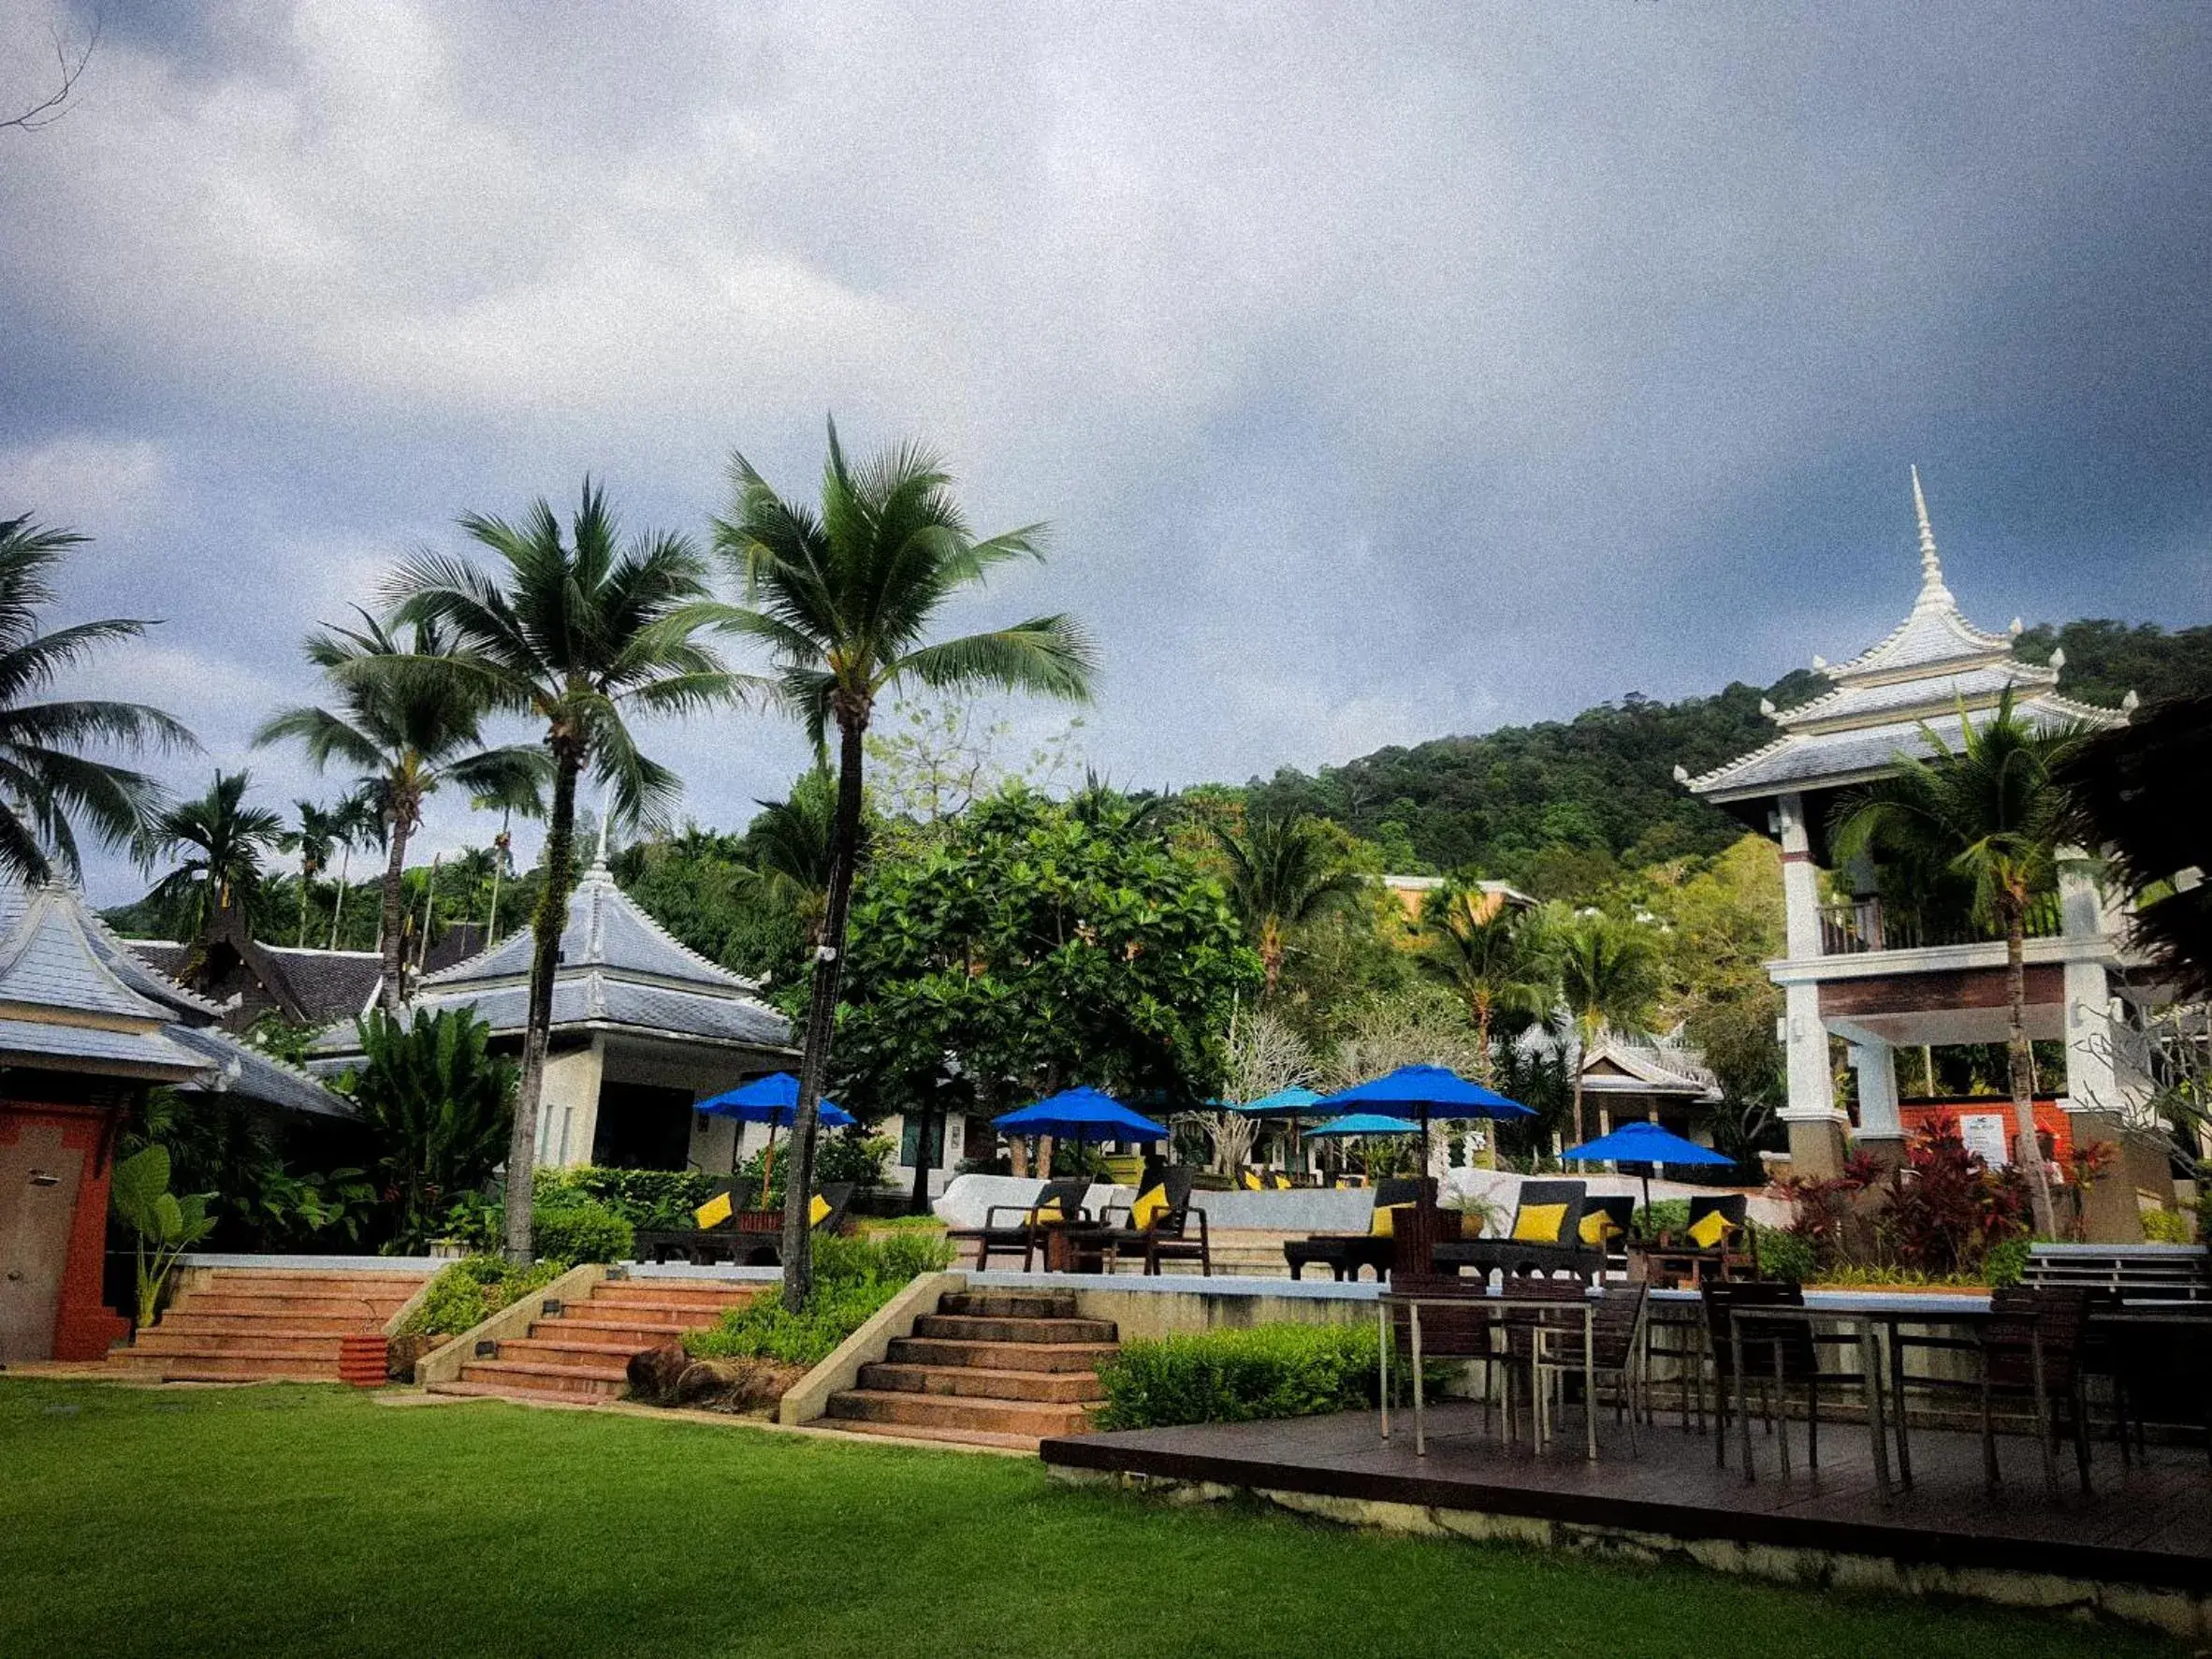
(1149, 1208)
(1538, 1223)
(1597, 1227)
(818, 1212)
(1253, 1182)
(1710, 1229)
(1048, 1212)
(714, 1211)
(1280, 1182)
(1386, 1221)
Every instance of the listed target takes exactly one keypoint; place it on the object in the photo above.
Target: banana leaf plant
(167, 1225)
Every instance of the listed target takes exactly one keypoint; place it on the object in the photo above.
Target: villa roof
(1647, 1068)
(1930, 669)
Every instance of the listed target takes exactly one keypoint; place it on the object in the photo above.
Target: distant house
(249, 978)
(643, 1029)
(1664, 1083)
(1412, 893)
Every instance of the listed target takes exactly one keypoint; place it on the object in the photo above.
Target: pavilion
(1885, 979)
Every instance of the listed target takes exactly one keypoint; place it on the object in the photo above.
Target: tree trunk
(304, 874)
(2023, 1073)
(390, 985)
(552, 915)
(345, 864)
(821, 1014)
(1488, 1080)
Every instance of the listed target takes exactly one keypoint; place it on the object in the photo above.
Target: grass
(298, 1519)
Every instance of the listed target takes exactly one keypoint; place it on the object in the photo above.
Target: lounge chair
(766, 1249)
(704, 1244)
(1343, 1254)
(1544, 1239)
(1010, 1227)
(1157, 1226)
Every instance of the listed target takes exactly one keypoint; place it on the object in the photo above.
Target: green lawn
(276, 1521)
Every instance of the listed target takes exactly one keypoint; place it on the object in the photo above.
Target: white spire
(1933, 594)
(607, 802)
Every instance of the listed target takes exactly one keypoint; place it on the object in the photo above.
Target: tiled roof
(325, 984)
(1651, 1068)
(597, 999)
(235, 1068)
(49, 961)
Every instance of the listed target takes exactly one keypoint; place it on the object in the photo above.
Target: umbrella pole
(768, 1166)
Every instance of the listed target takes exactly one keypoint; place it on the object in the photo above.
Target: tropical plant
(579, 633)
(1283, 873)
(230, 1149)
(1990, 814)
(844, 598)
(793, 845)
(1493, 957)
(356, 823)
(436, 1101)
(313, 839)
(222, 839)
(409, 726)
(1609, 981)
(167, 1226)
(48, 785)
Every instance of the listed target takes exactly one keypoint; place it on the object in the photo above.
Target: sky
(1384, 372)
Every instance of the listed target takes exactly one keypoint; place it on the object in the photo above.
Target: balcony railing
(1863, 924)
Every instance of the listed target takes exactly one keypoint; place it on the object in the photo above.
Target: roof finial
(606, 801)
(1932, 591)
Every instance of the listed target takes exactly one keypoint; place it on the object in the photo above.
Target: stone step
(167, 1339)
(541, 1377)
(690, 1315)
(672, 1292)
(369, 1311)
(1057, 1388)
(545, 1342)
(966, 1328)
(1009, 1305)
(310, 1355)
(998, 1356)
(187, 1317)
(649, 1333)
(251, 1277)
(943, 1411)
(920, 1432)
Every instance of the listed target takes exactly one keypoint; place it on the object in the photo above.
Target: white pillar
(1800, 881)
(1816, 1128)
(1876, 1066)
(568, 1105)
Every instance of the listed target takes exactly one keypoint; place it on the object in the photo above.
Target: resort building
(248, 979)
(1661, 1081)
(643, 1029)
(1882, 973)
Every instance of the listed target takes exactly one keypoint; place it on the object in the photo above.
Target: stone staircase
(251, 1324)
(988, 1368)
(582, 1351)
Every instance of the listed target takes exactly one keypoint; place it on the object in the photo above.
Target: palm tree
(1609, 979)
(1991, 814)
(46, 786)
(1283, 873)
(313, 840)
(793, 845)
(222, 838)
(359, 824)
(410, 726)
(578, 633)
(844, 598)
(1496, 961)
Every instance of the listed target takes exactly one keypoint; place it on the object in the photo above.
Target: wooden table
(1485, 1303)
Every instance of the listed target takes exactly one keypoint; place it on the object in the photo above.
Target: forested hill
(1562, 806)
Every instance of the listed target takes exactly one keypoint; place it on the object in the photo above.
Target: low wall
(512, 1322)
(808, 1398)
(1188, 1303)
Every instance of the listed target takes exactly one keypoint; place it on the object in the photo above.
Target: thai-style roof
(1613, 1065)
(1928, 673)
(619, 970)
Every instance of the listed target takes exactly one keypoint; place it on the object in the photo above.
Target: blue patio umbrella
(772, 1100)
(1081, 1115)
(1356, 1124)
(1291, 1103)
(1431, 1091)
(1644, 1143)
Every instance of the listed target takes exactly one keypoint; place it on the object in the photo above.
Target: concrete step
(670, 1293)
(918, 1432)
(1052, 1387)
(941, 1411)
(648, 1333)
(167, 1339)
(541, 1377)
(966, 1328)
(368, 1311)
(1009, 1305)
(1015, 1356)
(547, 1341)
(186, 1317)
(251, 1277)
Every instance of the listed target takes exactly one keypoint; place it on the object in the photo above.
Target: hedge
(1240, 1375)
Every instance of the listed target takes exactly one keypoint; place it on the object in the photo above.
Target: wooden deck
(2149, 1525)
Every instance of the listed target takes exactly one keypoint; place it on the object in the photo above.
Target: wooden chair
(1343, 1254)
(1010, 1227)
(703, 1246)
(1533, 1257)
(1166, 1237)
(2030, 1349)
(1616, 1344)
(1776, 1352)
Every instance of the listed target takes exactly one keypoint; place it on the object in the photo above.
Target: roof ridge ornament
(1933, 594)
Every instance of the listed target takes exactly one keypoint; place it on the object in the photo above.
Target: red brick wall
(84, 1326)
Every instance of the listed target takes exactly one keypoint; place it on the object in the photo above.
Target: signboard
(1984, 1133)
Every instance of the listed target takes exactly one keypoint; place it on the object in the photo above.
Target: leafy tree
(1493, 957)
(578, 633)
(437, 1100)
(845, 598)
(2107, 659)
(410, 725)
(1609, 981)
(48, 785)
(1989, 813)
(1029, 951)
(222, 838)
(1283, 873)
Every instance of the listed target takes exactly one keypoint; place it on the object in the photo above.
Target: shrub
(2166, 1226)
(1667, 1216)
(437, 1101)
(2005, 1263)
(1231, 1377)
(574, 1230)
(649, 1199)
(843, 1155)
(1784, 1255)
(470, 1291)
(852, 1278)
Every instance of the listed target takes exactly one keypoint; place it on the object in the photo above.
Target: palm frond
(1051, 655)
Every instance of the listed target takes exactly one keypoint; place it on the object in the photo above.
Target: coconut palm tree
(1608, 980)
(844, 597)
(793, 846)
(222, 839)
(1493, 957)
(1283, 873)
(410, 727)
(48, 786)
(359, 824)
(1989, 813)
(579, 632)
(314, 840)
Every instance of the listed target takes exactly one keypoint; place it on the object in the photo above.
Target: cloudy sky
(1385, 371)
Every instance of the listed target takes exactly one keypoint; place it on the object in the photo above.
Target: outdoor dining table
(1487, 1302)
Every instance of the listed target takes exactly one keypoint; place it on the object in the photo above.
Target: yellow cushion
(1253, 1183)
(1281, 1181)
(1386, 1220)
(818, 1212)
(1710, 1229)
(1597, 1227)
(1538, 1223)
(714, 1211)
(1149, 1208)
(1048, 1212)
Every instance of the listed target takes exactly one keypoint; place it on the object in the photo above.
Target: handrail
(1860, 926)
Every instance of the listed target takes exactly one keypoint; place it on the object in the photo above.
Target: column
(2096, 1095)
(1816, 1128)
(1881, 1128)
(1800, 881)
(568, 1105)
